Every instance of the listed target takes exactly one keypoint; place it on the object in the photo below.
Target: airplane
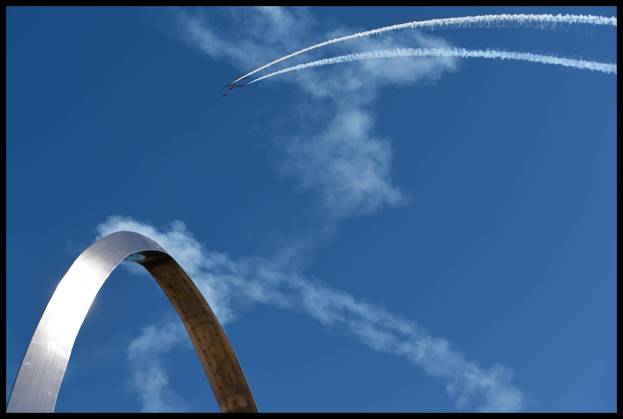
(232, 86)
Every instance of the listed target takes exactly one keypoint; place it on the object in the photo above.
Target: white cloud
(343, 161)
(335, 153)
(345, 164)
(261, 281)
(148, 378)
(188, 253)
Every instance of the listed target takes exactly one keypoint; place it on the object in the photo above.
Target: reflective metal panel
(41, 372)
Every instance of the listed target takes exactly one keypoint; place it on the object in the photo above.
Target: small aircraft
(232, 86)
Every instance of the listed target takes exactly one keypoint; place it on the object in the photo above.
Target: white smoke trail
(519, 19)
(450, 52)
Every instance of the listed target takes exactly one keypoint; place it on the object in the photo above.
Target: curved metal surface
(43, 367)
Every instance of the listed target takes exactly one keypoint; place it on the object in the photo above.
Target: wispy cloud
(345, 163)
(189, 253)
(262, 281)
(335, 153)
(348, 166)
(148, 378)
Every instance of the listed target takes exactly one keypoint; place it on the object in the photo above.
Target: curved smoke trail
(465, 21)
(607, 68)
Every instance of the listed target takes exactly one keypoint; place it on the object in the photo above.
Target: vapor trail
(450, 52)
(520, 19)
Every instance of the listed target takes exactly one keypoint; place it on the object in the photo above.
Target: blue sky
(429, 234)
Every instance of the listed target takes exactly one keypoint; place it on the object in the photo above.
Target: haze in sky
(408, 234)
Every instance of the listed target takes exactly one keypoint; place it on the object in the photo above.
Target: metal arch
(41, 373)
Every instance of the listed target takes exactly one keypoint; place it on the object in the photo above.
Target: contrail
(465, 21)
(450, 52)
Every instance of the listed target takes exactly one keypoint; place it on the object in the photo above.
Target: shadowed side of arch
(41, 373)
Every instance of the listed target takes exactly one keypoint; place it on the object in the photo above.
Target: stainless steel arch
(43, 367)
